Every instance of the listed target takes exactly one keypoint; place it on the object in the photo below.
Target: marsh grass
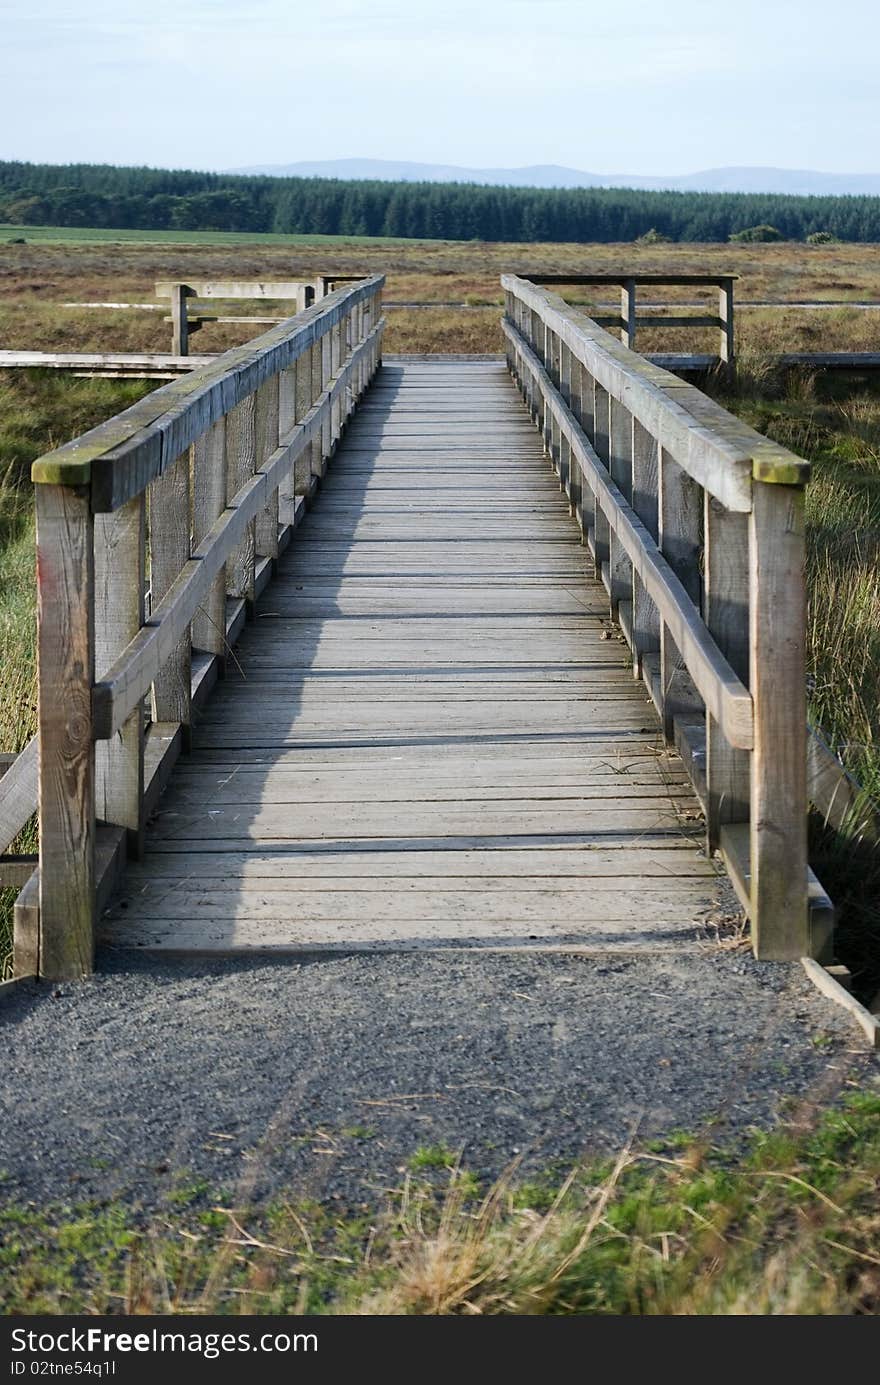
(786, 1225)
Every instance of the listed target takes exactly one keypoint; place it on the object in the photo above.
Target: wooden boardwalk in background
(424, 738)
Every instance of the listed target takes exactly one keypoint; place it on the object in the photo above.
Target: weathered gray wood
(726, 348)
(120, 582)
(128, 680)
(209, 502)
(287, 417)
(645, 502)
(721, 689)
(66, 646)
(620, 569)
(778, 763)
(726, 613)
(718, 450)
(679, 521)
(398, 751)
(18, 794)
(836, 794)
(170, 528)
(628, 313)
(26, 928)
(179, 323)
(266, 441)
(241, 462)
(119, 458)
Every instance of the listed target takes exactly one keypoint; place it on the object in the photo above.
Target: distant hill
(795, 181)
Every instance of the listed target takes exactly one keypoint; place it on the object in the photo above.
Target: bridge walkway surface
(429, 735)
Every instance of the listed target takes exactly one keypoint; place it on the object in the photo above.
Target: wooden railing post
(287, 417)
(645, 502)
(601, 444)
(120, 581)
(169, 551)
(726, 613)
(726, 349)
(620, 465)
(179, 320)
(209, 501)
(241, 453)
(266, 442)
(780, 923)
(628, 313)
(66, 649)
(680, 543)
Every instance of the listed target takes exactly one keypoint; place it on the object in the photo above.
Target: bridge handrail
(155, 533)
(696, 525)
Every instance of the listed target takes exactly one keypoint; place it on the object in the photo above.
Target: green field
(93, 235)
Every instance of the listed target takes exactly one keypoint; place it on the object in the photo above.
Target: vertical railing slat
(120, 581)
(170, 530)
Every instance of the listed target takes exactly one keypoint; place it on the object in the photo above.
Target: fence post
(169, 551)
(266, 441)
(119, 615)
(725, 312)
(679, 535)
(645, 502)
(620, 466)
(726, 614)
(209, 502)
(179, 320)
(628, 313)
(241, 453)
(778, 836)
(66, 648)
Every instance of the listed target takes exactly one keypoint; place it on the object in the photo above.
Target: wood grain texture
(428, 744)
(66, 653)
(170, 529)
(208, 464)
(780, 923)
(120, 583)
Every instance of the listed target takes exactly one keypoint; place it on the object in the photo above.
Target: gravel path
(323, 1078)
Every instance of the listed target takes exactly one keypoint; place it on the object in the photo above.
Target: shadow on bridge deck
(423, 739)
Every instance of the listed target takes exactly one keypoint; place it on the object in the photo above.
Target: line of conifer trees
(102, 195)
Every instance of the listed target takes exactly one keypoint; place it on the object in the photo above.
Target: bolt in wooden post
(179, 322)
(119, 615)
(208, 463)
(66, 651)
(169, 551)
(726, 614)
(778, 837)
(628, 313)
(241, 454)
(266, 441)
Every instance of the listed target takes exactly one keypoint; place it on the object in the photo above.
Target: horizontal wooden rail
(696, 526)
(156, 532)
(630, 321)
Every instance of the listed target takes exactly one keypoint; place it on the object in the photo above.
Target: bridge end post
(778, 835)
(66, 673)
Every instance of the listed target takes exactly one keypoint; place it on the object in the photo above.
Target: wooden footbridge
(332, 658)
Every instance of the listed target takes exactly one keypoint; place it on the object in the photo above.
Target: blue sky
(669, 86)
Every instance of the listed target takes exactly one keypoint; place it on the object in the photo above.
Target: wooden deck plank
(426, 737)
